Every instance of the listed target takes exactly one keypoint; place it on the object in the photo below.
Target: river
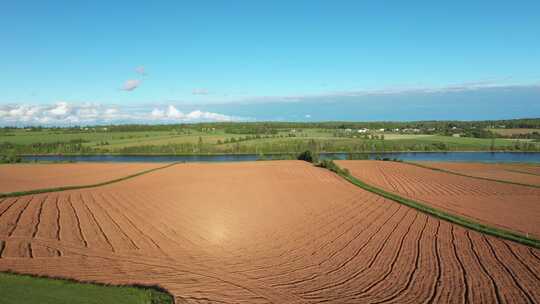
(503, 157)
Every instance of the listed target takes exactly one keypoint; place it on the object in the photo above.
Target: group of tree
(275, 127)
(10, 158)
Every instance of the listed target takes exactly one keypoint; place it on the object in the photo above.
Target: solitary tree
(200, 144)
(306, 156)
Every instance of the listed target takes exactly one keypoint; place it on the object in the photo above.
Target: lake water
(408, 156)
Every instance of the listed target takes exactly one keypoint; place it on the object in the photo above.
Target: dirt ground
(261, 232)
(507, 206)
(23, 177)
(518, 173)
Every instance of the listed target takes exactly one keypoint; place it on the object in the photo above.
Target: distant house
(381, 130)
(410, 130)
(363, 130)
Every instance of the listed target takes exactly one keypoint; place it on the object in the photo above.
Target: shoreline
(273, 153)
(493, 157)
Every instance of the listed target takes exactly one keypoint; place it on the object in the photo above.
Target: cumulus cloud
(200, 91)
(140, 70)
(61, 108)
(111, 112)
(199, 115)
(307, 116)
(131, 84)
(173, 114)
(157, 114)
(64, 113)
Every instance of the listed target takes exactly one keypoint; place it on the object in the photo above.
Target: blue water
(503, 157)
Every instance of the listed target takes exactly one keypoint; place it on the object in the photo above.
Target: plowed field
(508, 206)
(524, 174)
(261, 232)
(24, 177)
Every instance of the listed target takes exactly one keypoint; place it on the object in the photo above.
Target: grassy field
(465, 142)
(202, 141)
(90, 138)
(25, 289)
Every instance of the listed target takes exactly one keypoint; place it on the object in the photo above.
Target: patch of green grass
(462, 221)
(457, 142)
(89, 138)
(25, 289)
(74, 141)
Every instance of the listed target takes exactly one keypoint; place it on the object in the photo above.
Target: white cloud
(131, 84)
(173, 114)
(111, 112)
(140, 70)
(61, 108)
(307, 116)
(199, 115)
(200, 91)
(157, 113)
(64, 113)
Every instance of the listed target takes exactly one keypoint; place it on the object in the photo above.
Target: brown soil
(507, 206)
(517, 173)
(261, 232)
(24, 177)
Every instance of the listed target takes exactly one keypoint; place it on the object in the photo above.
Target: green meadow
(23, 289)
(258, 138)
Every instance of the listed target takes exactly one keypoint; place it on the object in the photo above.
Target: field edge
(462, 221)
(158, 294)
(472, 176)
(65, 188)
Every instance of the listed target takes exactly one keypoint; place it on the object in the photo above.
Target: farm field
(514, 131)
(24, 177)
(517, 173)
(508, 206)
(261, 232)
(253, 139)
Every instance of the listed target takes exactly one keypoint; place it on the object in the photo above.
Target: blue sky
(274, 60)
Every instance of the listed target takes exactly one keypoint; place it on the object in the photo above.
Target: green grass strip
(64, 188)
(462, 221)
(29, 289)
(472, 176)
